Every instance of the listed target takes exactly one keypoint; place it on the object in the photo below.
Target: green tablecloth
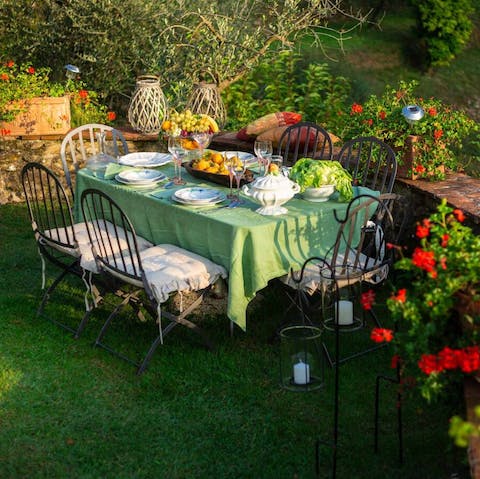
(253, 248)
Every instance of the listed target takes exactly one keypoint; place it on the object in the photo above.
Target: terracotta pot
(40, 116)
(406, 168)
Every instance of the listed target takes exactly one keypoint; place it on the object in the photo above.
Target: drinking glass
(202, 139)
(277, 162)
(229, 158)
(239, 171)
(178, 152)
(263, 150)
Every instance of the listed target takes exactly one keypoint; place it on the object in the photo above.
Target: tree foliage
(113, 41)
(445, 27)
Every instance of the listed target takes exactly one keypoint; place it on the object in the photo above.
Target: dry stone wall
(15, 153)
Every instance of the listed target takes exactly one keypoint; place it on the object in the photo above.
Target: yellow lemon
(202, 165)
(217, 158)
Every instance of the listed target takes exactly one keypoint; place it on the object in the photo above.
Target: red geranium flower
(437, 134)
(428, 364)
(401, 296)
(382, 115)
(459, 215)
(10, 64)
(31, 70)
(111, 115)
(432, 111)
(422, 231)
(448, 358)
(445, 239)
(356, 109)
(420, 169)
(423, 259)
(380, 335)
(367, 299)
(83, 94)
(4, 77)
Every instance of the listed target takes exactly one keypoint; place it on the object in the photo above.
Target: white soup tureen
(271, 191)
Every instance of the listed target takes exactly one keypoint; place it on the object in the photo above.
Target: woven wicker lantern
(205, 98)
(148, 105)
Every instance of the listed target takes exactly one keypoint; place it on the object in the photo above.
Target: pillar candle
(301, 373)
(345, 313)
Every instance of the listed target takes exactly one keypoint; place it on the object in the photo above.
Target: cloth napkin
(113, 169)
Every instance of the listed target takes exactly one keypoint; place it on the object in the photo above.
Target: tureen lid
(272, 182)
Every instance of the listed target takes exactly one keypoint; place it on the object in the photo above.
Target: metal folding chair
(371, 162)
(81, 143)
(158, 272)
(305, 140)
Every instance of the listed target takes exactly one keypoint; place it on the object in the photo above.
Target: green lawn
(375, 57)
(70, 410)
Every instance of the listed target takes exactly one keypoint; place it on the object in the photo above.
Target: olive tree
(113, 41)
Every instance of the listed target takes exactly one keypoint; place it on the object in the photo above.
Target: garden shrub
(284, 84)
(445, 28)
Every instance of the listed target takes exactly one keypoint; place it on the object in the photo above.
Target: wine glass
(229, 161)
(238, 171)
(203, 140)
(263, 150)
(178, 152)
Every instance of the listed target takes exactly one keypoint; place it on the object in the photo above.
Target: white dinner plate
(139, 176)
(197, 195)
(147, 184)
(145, 159)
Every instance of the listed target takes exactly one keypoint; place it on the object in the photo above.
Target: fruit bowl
(319, 194)
(223, 180)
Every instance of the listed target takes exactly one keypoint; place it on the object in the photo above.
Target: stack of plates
(140, 178)
(145, 159)
(197, 196)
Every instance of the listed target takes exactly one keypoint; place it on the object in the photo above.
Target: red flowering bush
(441, 132)
(22, 82)
(430, 337)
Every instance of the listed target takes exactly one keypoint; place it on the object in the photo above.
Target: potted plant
(428, 146)
(432, 340)
(30, 103)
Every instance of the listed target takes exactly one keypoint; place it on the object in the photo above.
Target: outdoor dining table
(253, 248)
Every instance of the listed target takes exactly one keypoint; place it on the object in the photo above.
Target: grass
(375, 57)
(70, 410)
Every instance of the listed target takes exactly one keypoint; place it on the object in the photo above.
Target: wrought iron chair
(59, 239)
(371, 162)
(158, 271)
(305, 139)
(359, 255)
(81, 143)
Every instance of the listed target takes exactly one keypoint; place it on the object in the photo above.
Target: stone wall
(15, 153)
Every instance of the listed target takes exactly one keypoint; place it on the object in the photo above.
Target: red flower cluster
(424, 260)
(380, 335)
(111, 116)
(5, 132)
(367, 299)
(420, 169)
(10, 64)
(437, 134)
(459, 215)
(4, 77)
(401, 296)
(432, 111)
(382, 115)
(466, 359)
(356, 109)
(31, 70)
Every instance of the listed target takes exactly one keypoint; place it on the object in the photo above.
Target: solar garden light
(71, 71)
(412, 113)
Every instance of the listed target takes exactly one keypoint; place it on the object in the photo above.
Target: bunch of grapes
(188, 122)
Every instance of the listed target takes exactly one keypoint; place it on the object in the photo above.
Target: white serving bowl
(319, 194)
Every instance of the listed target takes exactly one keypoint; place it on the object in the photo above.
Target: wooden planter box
(406, 158)
(42, 116)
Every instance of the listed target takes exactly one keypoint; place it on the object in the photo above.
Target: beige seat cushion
(87, 260)
(169, 268)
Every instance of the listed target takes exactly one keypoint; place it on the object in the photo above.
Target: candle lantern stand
(301, 357)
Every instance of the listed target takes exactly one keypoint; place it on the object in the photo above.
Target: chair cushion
(272, 120)
(169, 268)
(87, 260)
(312, 279)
